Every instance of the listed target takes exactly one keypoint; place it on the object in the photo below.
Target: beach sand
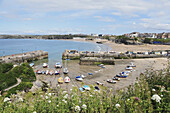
(100, 74)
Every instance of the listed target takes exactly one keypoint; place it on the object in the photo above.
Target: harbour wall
(24, 57)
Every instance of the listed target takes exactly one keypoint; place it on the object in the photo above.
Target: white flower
(64, 92)
(161, 95)
(117, 105)
(84, 106)
(46, 97)
(34, 112)
(90, 95)
(72, 96)
(49, 94)
(6, 99)
(162, 89)
(77, 108)
(49, 101)
(70, 89)
(58, 85)
(57, 105)
(41, 96)
(66, 96)
(128, 99)
(73, 85)
(64, 101)
(153, 90)
(0, 95)
(156, 97)
(79, 101)
(20, 99)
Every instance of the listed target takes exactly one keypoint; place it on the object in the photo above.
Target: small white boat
(57, 72)
(58, 65)
(66, 79)
(111, 81)
(86, 87)
(39, 72)
(99, 83)
(51, 73)
(82, 76)
(79, 78)
(65, 71)
(45, 65)
(31, 65)
(47, 72)
(129, 68)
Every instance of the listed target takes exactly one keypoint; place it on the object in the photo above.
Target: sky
(84, 16)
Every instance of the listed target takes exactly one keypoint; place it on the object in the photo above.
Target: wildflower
(0, 95)
(128, 99)
(77, 108)
(73, 85)
(6, 99)
(153, 90)
(66, 96)
(34, 112)
(20, 99)
(70, 89)
(49, 101)
(136, 98)
(79, 101)
(117, 106)
(49, 94)
(46, 97)
(84, 106)
(161, 95)
(64, 101)
(156, 97)
(64, 92)
(57, 105)
(90, 95)
(162, 89)
(41, 96)
(58, 85)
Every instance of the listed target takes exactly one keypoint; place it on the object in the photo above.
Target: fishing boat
(45, 65)
(66, 79)
(65, 71)
(115, 78)
(82, 76)
(31, 65)
(43, 72)
(47, 72)
(111, 81)
(100, 65)
(129, 68)
(79, 78)
(58, 65)
(57, 72)
(86, 87)
(60, 80)
(99, 83)
(81, 89)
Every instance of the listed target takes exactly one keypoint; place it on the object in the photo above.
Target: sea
(55, 48)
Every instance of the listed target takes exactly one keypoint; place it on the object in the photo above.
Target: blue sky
(84, 16)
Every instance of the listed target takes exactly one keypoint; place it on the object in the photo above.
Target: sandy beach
(102, 74)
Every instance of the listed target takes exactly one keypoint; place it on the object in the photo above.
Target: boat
(121, 75)
(79, 78)
(66, 79)
(65, 71)
(43, 72)
(111, 81)
(81, 89)
(47, 72)
(96, 88)
(45, 65)
(115, 78)
(86, 87)
(31, 65)
(100, 65)
(90, 73)
(132, 64)
(57, 72)
(129, 68)
(51, 73)
(60, 80)
(82, 76)
(39, 72)
(58, 65)
(99, 83)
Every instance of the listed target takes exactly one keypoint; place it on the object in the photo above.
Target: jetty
(24, 57)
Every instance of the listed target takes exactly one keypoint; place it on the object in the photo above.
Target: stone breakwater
(24, 57)
(74, 54)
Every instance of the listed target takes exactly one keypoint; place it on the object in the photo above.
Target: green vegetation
(24, 72)
(149, 94)
(156, 40)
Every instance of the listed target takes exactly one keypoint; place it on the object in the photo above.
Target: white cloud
(104, 19)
